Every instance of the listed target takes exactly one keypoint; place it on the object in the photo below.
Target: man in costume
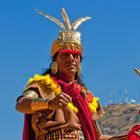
(57, 105)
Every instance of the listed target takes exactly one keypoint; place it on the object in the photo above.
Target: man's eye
(65, 55)
(75, 55)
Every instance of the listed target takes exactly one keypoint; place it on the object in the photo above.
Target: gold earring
(54, 67)
(79, 71)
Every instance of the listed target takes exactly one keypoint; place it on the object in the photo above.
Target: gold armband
(30, 93)
(38, 104)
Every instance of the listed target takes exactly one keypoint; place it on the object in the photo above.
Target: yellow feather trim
(75, 109)
(94, 105)
(49, 82)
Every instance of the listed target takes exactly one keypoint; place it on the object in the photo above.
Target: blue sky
(111, 43)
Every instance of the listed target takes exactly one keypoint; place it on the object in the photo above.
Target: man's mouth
(71, 65)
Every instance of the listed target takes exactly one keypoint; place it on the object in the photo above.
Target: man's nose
(71, 57)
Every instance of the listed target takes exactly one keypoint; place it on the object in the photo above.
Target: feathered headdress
(69, 39)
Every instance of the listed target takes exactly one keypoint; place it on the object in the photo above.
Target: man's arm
(30, 102)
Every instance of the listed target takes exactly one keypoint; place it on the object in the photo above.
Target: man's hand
(60, 101)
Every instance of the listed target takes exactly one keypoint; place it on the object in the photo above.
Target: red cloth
(132, 135)
(28, 133)
(84, 113)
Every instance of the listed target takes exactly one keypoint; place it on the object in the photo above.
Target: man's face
(68, 63)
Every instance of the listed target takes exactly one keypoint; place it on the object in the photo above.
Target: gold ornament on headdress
(137, 71)
(69, 38)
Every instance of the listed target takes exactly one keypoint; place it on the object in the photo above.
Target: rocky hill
(119, 118)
